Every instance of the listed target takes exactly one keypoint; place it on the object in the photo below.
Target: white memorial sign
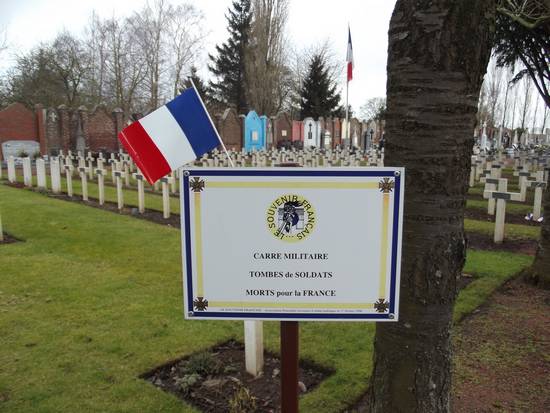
(292, 244)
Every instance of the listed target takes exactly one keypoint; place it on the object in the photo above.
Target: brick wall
(18, 123)
(72, 129)
(102, 131)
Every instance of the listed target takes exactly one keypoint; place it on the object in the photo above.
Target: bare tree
(185, 38)
(149, 26)
(493, 86)
(71, 64)
(96, 46)
(529, 13)
(125, 72)
(3, 39)
(265, 62)
(373, 109)
(523, 33)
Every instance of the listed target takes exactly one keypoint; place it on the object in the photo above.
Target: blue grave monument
(254, 132)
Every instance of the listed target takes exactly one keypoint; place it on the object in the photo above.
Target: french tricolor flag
(171, 136)
(349, 57)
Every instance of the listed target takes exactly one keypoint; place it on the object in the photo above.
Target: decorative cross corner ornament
(381, 306)
(200, 304)
(386, 185)
(197, 184)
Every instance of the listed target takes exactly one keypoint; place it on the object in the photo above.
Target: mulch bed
(216, 380)
(481, 215)
(484, 242)
(501, 353)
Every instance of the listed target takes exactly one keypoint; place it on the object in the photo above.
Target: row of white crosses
(306, 158)
(496, 191)
(120, 172)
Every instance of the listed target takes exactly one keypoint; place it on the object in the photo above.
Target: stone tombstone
(337, 132)
(311, 134)
(55, 175)
(297, 131)
(254, 133)
(282, 128)
(41, 174)
(27, 172)
(230, 127)
(327, 139)
(268, 127)
(11, 169)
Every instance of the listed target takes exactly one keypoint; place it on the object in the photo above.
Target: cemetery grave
(167, 337)
(147, 199)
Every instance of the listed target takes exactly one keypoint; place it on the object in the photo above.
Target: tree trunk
(539, 273)
(438, 54)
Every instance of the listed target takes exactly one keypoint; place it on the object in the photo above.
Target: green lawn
(152, 200)
(511, 231)
(93, 299)
(511, 207)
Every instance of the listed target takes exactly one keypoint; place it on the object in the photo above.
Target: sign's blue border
(286, 172)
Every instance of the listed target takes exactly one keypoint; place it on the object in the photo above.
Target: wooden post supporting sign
(289, 366)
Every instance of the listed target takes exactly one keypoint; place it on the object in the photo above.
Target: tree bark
(438, 53)
(539, 273)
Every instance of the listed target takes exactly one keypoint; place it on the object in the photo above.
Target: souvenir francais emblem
(291, 218)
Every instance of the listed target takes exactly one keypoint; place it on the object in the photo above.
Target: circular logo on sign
(291, 218)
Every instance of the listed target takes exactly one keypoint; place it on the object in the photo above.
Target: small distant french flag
(171, 136)
(349, 56)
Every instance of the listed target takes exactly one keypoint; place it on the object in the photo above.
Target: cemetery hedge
(90, 300)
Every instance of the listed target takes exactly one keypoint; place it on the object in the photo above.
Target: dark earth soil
(216, 380)
(484, 242)
(8, 239)
(502, 353)
(481, 215)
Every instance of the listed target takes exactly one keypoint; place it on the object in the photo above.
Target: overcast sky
(310, 22)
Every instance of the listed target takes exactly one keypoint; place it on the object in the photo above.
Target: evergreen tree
(202, 88)
(229, 65)
(318, 94)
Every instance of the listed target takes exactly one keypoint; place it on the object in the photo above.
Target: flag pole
(214, 126)
(347, 113)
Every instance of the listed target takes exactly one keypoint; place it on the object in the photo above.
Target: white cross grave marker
(100, 173)
(539, 185)
(166, 196)
(69, 178)
(141, 191)
(501, 195)
(84, 178)
(119, 193)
